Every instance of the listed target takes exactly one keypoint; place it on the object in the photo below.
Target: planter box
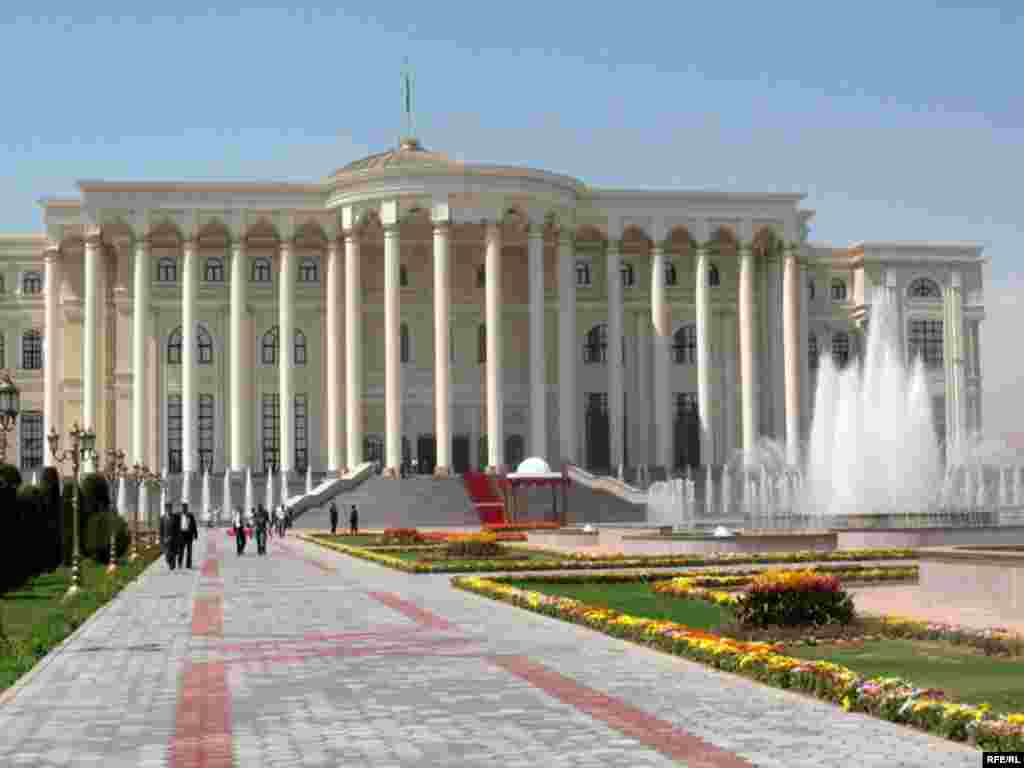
(820, 541)
(971, 579)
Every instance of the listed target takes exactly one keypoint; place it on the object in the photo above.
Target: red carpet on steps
(488, 504)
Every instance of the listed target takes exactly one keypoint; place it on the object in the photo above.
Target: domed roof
(409, 152)
(533, 466)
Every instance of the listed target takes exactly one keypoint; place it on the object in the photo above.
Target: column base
(442, 472)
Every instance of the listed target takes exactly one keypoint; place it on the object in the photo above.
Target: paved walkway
(308, 657)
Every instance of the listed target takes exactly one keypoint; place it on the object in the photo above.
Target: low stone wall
(915, 538)
(989, 579)
(743, 543)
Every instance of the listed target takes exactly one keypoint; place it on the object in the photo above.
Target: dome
(409, 152)
(533, 466)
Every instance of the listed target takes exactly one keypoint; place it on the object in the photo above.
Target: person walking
(189, 533)
(166, 538)
(334, 519)
(353, 521)
(239, 525)
(262, 521)
(174, 536)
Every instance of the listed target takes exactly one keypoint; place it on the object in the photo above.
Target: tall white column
(239, 404)
(806, 394)
(747, 371)
(642, 409)
(495, 391)
(286, 340)
(776, 399)
(392, 361)
(792, 333)
(730, 427)
(442, 349)
(956, 427)
(140, 336)
(353, 351)
(662, 346)
(333, 357)
(615, 387)
(567, 395)
(52, 357)
(538, 385)
(704, 378)
(188, 356)
(90, 369)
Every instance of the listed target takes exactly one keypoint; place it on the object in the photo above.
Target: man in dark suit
(262, 522)
(174, 536)
(334, 519)
(189, 533)
(353, 521)
(166, 536)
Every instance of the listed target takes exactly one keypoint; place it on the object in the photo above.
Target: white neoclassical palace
(413, 307)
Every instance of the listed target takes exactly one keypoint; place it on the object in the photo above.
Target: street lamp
(138, 476)
(83, 442)
(112, 471)
(10, 403)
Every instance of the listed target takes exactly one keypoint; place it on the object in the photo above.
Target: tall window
(671, 278)
(167, 270)
(838, 290)
(300, 347)
(403, 276)
(924, 288)
(309, 271)
(628, 277)
(403, 343)
(32, 351)
(215, 270)
(206, 426)
(174, 347)
(268, 347)
(32, 282)
(261, 270)
(271, 431)
(841, 349)
(205, 341)
(684, 345)
(174, 430)
(812, 351)
(810, 290)
(583, 273)
(301, 433)
(714, 277)
(31, 440)
(481, 343)
(595, 347)
(925, 341)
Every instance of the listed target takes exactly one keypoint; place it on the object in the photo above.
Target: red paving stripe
(291, 554)
(653, 732)
(211, 568)
(202, 733)
(208, 616)
(412, 611)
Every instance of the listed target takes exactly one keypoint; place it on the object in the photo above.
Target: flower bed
(892, 699)
(524, 525)
(559, 562)
(994, 641)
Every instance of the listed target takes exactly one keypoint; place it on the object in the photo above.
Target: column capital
(440, 225)
(536, 231)
(350, 235)
(333, 245)
(51, 253)
(93, 236)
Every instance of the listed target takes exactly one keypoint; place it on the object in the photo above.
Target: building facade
(413, 307)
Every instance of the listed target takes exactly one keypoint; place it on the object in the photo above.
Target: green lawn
(637, 600)
(415, 555)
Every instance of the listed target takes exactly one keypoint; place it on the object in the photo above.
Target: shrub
(473, 545)
(10, 476)
(402, 536)
(792, 598)
(53, 510)
(96, 543)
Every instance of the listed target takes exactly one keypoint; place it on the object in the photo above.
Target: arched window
(32, 351)
(595, 348)
(810, 290)
(812, 351)
(841, 349)
(261, 270)
(205, 343)
(628, 278)
(167, 270)
(838, 290)
(268, 347)
(174, 347)
(403, 343)
(300, 348)
(714, 278)
(671, 278)
(31, 282)
(309, 270)
(924, 288)
(403, 276)
(684, 345)
(481, 277)
(582, 273)
(215, 270)
(481, 343)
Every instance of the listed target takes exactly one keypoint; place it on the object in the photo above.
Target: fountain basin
(975, 578)
(936, 536)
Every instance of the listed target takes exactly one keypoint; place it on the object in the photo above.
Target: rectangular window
(301, 433)
(31, 440)
(925, 341)
(206, 422)
(174, 434)
(271, 431)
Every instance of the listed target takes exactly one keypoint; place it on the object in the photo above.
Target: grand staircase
(489, 506)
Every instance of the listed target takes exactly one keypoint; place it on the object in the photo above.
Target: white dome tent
(534, 471)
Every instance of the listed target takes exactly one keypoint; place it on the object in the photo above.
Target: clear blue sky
(899, 120)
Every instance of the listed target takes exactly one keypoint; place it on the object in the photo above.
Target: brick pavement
(313, 658)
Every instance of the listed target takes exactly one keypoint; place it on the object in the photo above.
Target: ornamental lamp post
(10, 406)
(137, 476)
(83, 442)
(113, 470)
